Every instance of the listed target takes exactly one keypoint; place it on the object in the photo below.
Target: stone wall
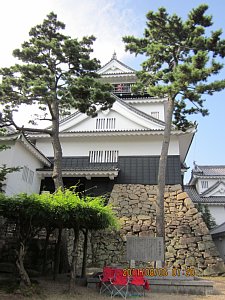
(188, 242)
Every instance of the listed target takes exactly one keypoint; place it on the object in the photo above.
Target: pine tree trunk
(84, 262)
(73, 270)
(45, 251)
(58, 182)
(57, 254)
(25, 280)
(57, 168)
(64, 265)
(160, 219)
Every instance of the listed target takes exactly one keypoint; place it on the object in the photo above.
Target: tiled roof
(69, 117)
(218, 170)
(130, 107)
(82, 164)
(196, 198)
(218, 229)
(139, 112)
(133, 71)
(22, 137)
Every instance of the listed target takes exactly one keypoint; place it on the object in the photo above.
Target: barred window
(155, 114)
(100, 156)
(105, 123)
(204, 184)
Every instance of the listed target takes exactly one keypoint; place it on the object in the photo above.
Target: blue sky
(109, 20)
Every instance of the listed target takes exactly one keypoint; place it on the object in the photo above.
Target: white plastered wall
(19, 156)
(121, 122)
(126, 145)
(153, 107)
(218, 213)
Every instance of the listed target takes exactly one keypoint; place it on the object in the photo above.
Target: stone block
(169, 255)
(201, 246)
(132, 202)
(184, 229)
(147, 222)
(136, 210)
(192, 211)
(136, 228)
(123, 203)
(180, 213)
(190, 261)
(171, 249)
(180, 246)
(182, 196)
(133, 197)
(188, 202)
(127, 227)
(143, 217)
(144, 228)
(146, 233)
(172, 209)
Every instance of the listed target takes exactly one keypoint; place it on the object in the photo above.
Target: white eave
(19, 137)
(145, 100)
(87, 174)
(140, 132)
(34, 150)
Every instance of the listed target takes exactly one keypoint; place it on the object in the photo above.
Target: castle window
(100, 156)
(204, 184)
(155, 114)
(105, 123)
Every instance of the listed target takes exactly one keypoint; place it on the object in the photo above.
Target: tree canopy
(181, 59)
(54, 68)
(57, 74)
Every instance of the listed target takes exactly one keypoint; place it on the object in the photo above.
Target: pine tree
(56, 73)
(181, 59)
(206, 215)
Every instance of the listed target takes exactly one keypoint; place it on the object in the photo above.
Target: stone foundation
(188, 242)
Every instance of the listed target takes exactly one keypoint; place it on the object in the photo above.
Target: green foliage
(62, 209)
(25, 211)
(56, 72)
(68, 209)
(181, 59)
(206, 215)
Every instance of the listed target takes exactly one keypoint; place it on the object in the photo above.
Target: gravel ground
(57, 291)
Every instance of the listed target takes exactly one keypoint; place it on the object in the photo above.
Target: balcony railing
(122, 88)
